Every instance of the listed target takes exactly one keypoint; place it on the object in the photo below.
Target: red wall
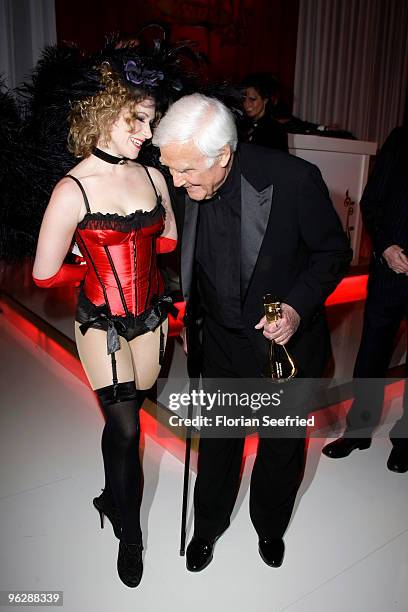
(238, 36)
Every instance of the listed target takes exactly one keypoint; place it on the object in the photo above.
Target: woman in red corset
(119, 213)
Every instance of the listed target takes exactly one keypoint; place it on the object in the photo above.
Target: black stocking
(120, 449)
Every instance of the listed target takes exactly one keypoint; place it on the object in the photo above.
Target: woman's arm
(166, 243)
(168, 240)
(57, 229)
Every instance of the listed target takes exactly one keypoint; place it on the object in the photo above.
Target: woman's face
(254, 104)
(131, 129)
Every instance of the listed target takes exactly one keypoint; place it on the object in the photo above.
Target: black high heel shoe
(130, 563)
(105, 508)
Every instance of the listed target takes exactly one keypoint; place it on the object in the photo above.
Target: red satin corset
(120, 252)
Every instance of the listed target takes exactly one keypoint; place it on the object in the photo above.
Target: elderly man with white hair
(256, 221)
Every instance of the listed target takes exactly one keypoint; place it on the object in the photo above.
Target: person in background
(259, 126)
(384, 206)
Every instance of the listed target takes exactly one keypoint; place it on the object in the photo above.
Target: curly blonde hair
(91, 119)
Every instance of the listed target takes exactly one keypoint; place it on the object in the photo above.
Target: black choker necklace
(107, 157)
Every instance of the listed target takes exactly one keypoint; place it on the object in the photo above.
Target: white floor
(346, 547)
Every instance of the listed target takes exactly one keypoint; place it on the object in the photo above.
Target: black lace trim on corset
(123, 223)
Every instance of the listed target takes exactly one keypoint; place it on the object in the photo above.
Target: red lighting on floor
(351, 289)
(62, 355)
(160, 434)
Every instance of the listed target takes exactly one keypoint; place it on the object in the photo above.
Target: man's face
(189, 169)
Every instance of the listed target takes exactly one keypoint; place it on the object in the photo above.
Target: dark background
(238, 36)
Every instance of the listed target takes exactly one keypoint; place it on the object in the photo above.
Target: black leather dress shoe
(199, 554)
(272, 551)
(200, 551)
(344, 446)
(398, 459)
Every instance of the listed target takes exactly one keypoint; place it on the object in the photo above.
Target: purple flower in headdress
(137, 74)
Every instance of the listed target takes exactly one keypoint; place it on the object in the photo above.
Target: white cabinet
(344, 166)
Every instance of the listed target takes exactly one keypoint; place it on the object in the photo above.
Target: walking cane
(193, 373)
(186, 476)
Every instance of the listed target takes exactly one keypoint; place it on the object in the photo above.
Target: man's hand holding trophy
(279, 324)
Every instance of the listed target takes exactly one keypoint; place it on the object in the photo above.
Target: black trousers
(278, 468)
(384, 311)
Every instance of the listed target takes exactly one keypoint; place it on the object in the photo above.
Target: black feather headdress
(15, 240)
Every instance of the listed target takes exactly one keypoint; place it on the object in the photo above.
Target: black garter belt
(128, 326)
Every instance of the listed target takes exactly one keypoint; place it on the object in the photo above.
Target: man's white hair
(196, 118)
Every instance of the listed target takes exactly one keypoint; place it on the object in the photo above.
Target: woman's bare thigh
(145, 353)
(97, 363)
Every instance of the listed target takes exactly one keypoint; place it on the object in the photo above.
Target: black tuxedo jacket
(292, 246)
(384, 206)
(384, 203)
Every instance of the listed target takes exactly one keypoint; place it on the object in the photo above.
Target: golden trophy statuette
(281, 366)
